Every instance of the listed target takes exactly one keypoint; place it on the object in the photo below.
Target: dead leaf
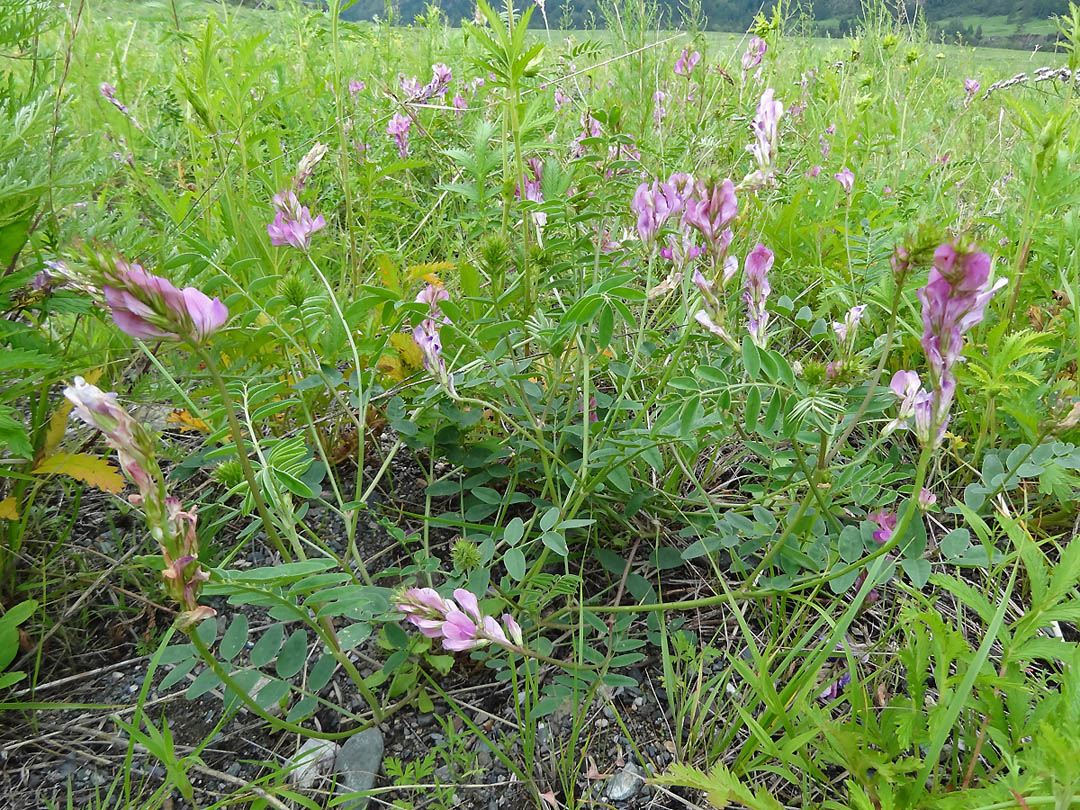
(187, 422)
(549, 799)
(97, 472)
(9, 510)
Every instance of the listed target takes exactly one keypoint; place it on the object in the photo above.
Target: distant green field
(999, 26)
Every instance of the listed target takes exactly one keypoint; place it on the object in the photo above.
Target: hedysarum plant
(293, 224)
(459, 625)
(756, 281)
(171, 527)
(149, 307)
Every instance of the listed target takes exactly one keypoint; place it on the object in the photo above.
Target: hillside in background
(1000, 23)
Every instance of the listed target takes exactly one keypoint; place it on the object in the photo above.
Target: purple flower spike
(755, 50)
(953, 300)
(292, 225)
(149, 307)
(756, 282)
(846, 178)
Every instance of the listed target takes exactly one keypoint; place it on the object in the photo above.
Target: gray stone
(314, 760)
(625, 783)
(358, 763)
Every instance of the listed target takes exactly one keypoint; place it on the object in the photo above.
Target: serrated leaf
(96, 472)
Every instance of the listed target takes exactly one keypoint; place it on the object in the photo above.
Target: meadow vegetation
(637, 418)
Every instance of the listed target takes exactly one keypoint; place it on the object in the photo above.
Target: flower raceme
(170, 526)
(428, 337)
(292, 225)
(953, 300)
(398, 129)
(765, 128)
(460, 625)
(756, 290)
(149, 307)
(755, 51)
(686, 63)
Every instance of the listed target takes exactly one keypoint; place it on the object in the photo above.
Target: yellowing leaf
(96, 472)
(187, 422)
(429, 271)
(54, 434)
(390, 365)
(9, 509)
(407, 350)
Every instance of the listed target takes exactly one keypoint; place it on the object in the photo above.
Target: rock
(315, 759)
(625, 783)
(358, 762)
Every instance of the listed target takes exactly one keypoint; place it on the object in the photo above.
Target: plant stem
(241, 451)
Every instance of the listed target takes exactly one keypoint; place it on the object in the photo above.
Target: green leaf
(556, 542)
(514, 561)
(918, 571)
(514, 531)
(291, 658)
(203, 683)
(267, 646)
(354, 634)
(750, 358)
(549, 518)
(234, 639)
(753, 408)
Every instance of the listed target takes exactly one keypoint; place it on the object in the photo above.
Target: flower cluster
(398, 129)
(765, 127)
(755, 51)
(460, 625)
(147, 306)
(427, 335)
(108, 92)
(307, 164)
(686, 63)
(531, 181)
(293, 224)
(756, 289)
(953, 300)
(170, 526)
(846, 178)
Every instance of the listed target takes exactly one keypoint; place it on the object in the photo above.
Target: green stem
(241, 451)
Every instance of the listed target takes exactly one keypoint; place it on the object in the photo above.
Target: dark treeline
(944, 18)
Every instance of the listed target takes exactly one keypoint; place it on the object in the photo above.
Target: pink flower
(398, 129)
(659, 111)
(461, 625)
(846, 178)
(755, 50)
(654, 205)
(459, 103)
(813, 171)
(561, 99)
(953, 300)
(765, 128)
(756, 283)
(971, 87)
(850, 323)
(149, 307)
(710, 211)
(906, 385)
(292, 223)
(887, 523)
(686, 63)
(926, 499)
(355, 87)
